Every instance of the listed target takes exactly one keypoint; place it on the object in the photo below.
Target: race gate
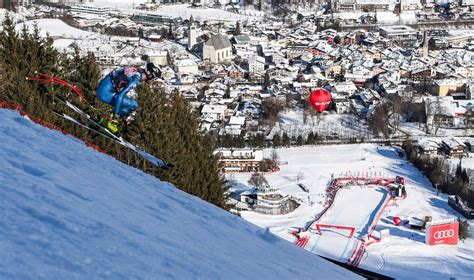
(442, 232)
(320, 226)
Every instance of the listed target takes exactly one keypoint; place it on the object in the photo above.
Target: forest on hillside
(164, 125)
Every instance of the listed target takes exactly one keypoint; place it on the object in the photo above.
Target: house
(242, 40)
(345, 87)
(235, 125)
(256, 64)
(107, 60)
(186, 66)
(333, 70)
(273, 202)
(421, 74)
(160, 58)
(399, 33)
(469, 145)
(217, 49)
(359, 72)
(213, 111)
(220, 71)
(235, 71)
(450, 87)
(439, 111)
(469, 117)
(296, 50)
(426, 147)
(453, 147)
(266, 200)
(240, 160)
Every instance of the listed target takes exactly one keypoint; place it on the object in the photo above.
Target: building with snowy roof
(426, 147)
(453, 147)
(160, 58)
(439, 110)
(186, 66)
(453, 87)
(399, 33)
(90, 11)
(256, 64)
(370, 5)
(240, 160)
(217, 49)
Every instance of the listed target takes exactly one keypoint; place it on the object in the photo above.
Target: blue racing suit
(114, 87)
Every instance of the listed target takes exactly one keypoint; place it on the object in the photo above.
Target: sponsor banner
(446, 233)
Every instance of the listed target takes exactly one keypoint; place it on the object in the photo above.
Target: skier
(114, 87)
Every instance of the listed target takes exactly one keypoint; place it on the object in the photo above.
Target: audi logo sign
(442, 233)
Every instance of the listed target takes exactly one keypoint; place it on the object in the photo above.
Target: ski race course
(344, 228)
(337, 243)
(352, 186)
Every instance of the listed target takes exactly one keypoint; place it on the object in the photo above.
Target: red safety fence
(357, 255)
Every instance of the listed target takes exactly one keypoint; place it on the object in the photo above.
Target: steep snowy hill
(68, 212)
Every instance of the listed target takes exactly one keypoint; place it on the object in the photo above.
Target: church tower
(192, 33)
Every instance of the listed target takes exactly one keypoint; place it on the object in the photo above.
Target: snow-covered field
(185, 11)
(69, 212)
(403, 254)
(418, 129)
(181, 10)
(406, 17)
(55, 28)
(344, 126)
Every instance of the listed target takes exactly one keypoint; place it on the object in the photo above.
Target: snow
(350, 209)
(16, 17)
(344, 126)
(55, 28)
(69, 212)
(403, 254)
(406, 17)
(181, 10)
(185, 11)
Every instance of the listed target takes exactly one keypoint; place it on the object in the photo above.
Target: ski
(97, 128)
(88, 117)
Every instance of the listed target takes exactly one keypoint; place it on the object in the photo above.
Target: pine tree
(299, 140)
(266, 80)
(286, 140)
(168, 128)
(237, 29)
(276, 141)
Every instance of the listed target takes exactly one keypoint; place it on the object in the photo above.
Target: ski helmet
(151, 71)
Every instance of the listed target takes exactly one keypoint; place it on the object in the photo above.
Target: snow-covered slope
(403, 254)
(68, 212)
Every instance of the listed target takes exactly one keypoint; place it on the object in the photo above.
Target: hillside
(69, 212)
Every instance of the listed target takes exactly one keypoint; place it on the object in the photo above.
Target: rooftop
(218, 41)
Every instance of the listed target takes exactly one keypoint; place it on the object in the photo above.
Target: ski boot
(110, 123)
